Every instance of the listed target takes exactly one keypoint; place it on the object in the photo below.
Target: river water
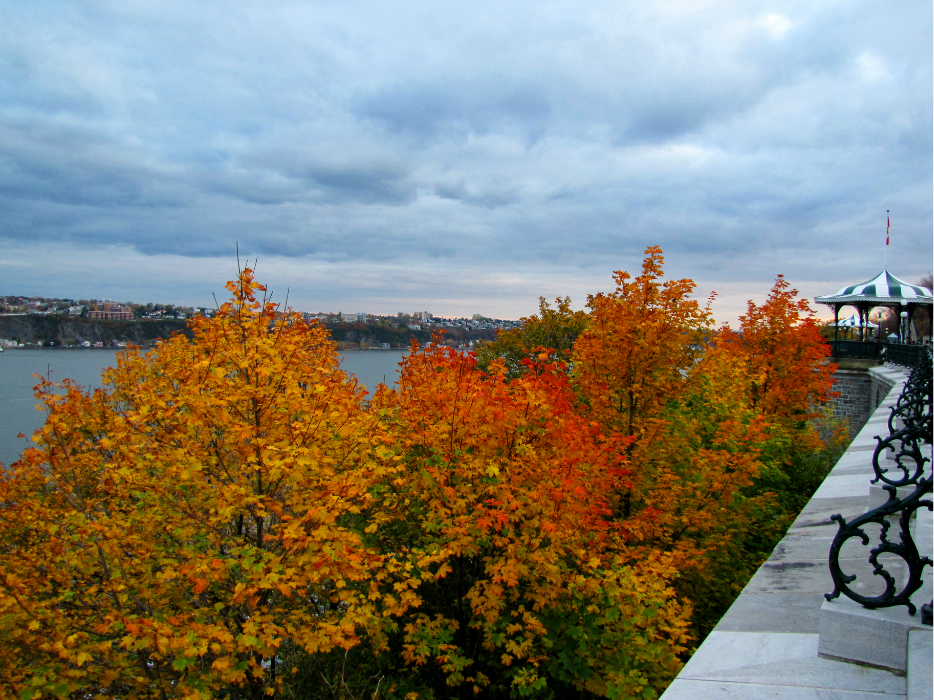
(18, 412)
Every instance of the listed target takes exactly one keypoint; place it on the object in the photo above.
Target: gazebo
(885, 289)
(854, 321)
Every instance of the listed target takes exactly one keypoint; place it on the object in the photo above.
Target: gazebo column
(864, 308)
(836, 321)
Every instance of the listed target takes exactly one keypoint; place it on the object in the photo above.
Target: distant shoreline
(55, 332)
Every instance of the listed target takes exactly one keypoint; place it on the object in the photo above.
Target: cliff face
(66, 330)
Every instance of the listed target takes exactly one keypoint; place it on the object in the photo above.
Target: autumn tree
(789, 383)
(640, 341)
(522, 578)
(633, 358)
(700, 411)
(788, 374)
(182, 532)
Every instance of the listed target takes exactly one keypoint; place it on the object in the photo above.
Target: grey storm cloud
(746, 138)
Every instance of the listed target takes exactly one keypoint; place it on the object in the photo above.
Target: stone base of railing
(850, 632)
(879, 638)
(878, 495)
(920, 681)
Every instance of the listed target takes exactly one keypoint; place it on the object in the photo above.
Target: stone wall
(857, 397)
(862, 387)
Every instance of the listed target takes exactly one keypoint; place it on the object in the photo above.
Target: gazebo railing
(908, 356)
(856, 349)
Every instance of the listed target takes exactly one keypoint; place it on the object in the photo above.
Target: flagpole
(888, 226)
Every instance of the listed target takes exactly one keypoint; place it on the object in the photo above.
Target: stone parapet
(881, 380)
(854, 388)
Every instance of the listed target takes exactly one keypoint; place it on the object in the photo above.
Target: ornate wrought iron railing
(905, 355)
(910, 429)
(913, 405)
(905, 548)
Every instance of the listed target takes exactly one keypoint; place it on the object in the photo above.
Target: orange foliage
(228, 500)
(640, 342)
(646, 367)
(786, 357)
(505, 492)
(168, 535)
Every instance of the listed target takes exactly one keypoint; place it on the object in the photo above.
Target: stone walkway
(766, 644)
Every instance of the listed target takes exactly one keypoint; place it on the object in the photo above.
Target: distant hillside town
(45, 322)
(95, 309)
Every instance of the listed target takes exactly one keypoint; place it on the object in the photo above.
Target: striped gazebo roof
(883, 288)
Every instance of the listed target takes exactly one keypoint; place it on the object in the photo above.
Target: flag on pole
(888, 226)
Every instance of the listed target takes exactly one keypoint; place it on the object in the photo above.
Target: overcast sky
(460, 157)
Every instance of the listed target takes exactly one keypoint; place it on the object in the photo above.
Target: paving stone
(796, 576)
(825, 530)
(813, 575)
(861, 448)
(805, 544)
(849, 458)
(868, 440)
(788, 659)
(816, 520)
(863, 467)
(773, 612)
(843, 485)
(725, 690)
(818, 511)
(853, 461)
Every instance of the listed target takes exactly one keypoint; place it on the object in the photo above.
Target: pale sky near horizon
(460, 157)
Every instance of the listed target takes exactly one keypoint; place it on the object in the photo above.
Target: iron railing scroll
(909, 356)
(913, 410)
(909, 428)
